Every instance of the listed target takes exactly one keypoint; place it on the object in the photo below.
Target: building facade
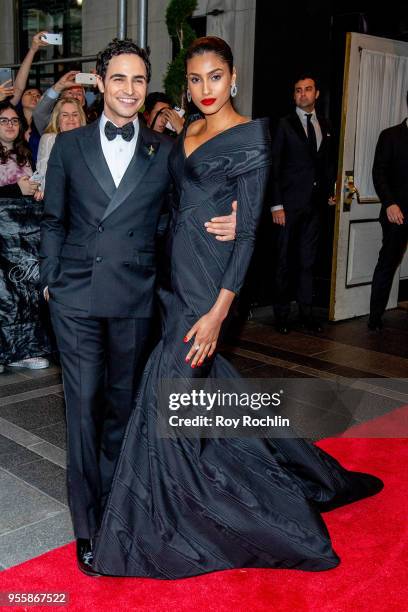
(88, 25)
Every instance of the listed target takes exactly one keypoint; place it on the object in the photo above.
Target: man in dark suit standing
(302, 179)
(106, 186)
(390, 178)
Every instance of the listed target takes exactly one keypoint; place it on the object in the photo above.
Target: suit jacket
(296, 170)
(97, 248)
(43, 111)
(390, 168)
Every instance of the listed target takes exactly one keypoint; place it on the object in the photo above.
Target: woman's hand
(205, 333)
(174, 119)
(37, 42)
(6, 90)
(39, 195)
(28, 188)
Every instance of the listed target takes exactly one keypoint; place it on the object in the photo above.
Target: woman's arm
(44, 150)
(251, 192)
(23, 187)
(207, 329)
(24, 70)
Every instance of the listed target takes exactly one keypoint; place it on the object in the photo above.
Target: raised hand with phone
(6, 89)
(15, 91)
(175, 119)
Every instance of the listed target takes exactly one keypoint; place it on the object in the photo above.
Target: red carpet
(391, 425)
(370, 537)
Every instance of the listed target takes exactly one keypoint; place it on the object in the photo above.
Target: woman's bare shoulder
(195, 128)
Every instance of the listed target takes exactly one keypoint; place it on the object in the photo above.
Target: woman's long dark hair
(20, 149)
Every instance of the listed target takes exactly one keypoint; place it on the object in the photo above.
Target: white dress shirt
(118, 153)
(303, 119)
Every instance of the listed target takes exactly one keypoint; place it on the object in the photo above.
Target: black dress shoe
(310, 324)
(282, 327)
(375, 325)
(85, 557)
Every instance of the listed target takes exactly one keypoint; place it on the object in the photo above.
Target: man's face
(75, 92)
(306, 94)
(161, 121)
(124, 88)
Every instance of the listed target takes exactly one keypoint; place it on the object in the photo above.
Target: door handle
(350, 190)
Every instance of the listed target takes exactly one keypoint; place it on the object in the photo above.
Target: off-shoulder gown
(182, 507)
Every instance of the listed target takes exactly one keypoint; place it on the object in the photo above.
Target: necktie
(311, 134)
(127, 131)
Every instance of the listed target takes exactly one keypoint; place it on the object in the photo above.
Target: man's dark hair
(120, 47)
(153, 98)
(307, 75)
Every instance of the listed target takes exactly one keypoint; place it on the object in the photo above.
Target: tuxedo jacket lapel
(324, 129)
(95, 160)
(136, 170)
(297, 126)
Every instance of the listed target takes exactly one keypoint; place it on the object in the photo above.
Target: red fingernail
(199, 363)
(187, 359)
(193, 365)
(185, 339)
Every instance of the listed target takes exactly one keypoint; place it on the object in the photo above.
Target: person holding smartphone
(159, 112)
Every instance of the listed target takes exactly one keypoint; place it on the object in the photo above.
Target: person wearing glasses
(15, 156)
(15, 174)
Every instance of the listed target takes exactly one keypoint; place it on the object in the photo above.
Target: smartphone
(52, 39)
(36, 177)
(85, 78)
(181, 112)
(6, 74)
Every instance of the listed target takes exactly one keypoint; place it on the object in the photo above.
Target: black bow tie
(127, 131)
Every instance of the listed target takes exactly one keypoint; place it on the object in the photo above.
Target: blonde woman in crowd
(67, 115)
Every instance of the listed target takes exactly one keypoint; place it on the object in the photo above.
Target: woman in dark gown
(181, 507)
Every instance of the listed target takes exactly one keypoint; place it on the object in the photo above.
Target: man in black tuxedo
(390, 176)
(302, 178)
(106, 187)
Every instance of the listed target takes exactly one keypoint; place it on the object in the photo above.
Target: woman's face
(9, 129)
(209, 80)
(161, 120)
(69, 117)
(31, 98)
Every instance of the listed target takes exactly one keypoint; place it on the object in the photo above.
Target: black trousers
(392, 251)
(295, 250)
(102, 361)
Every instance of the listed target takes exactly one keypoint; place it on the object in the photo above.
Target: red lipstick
(208, 101)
